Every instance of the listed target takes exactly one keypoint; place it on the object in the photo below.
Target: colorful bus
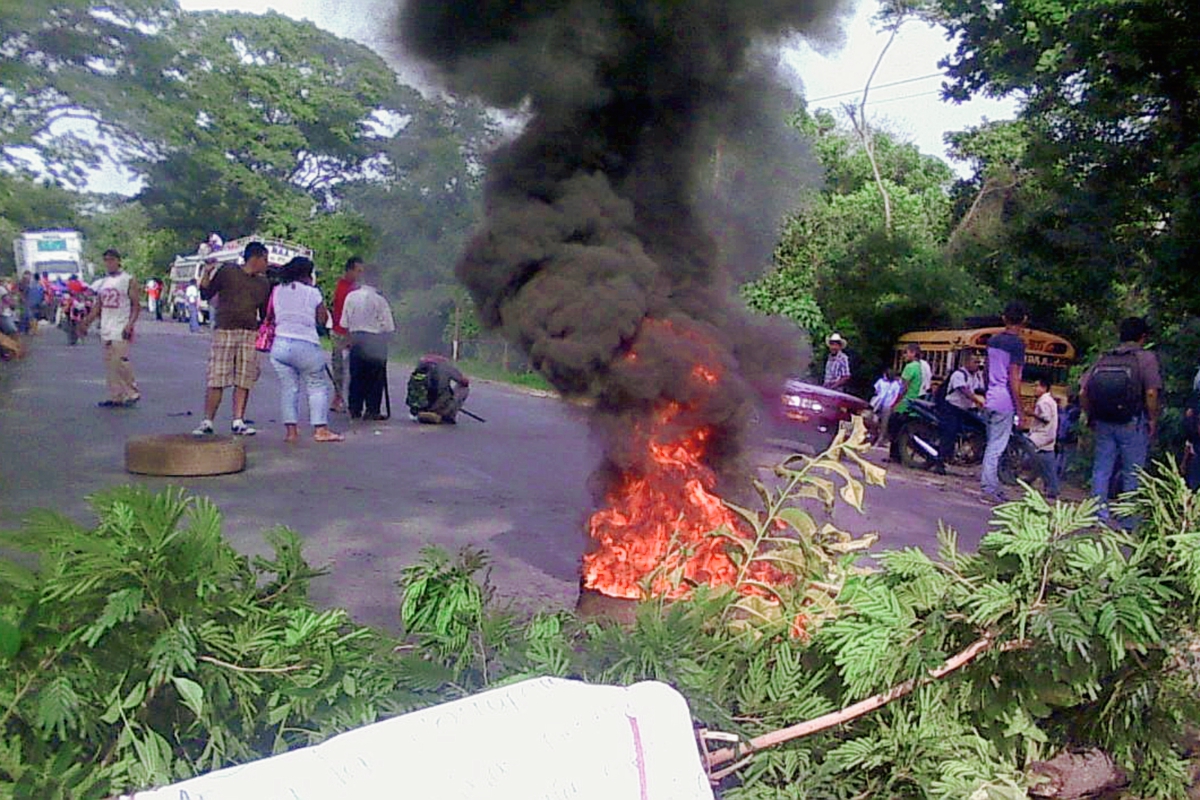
(1046, 355)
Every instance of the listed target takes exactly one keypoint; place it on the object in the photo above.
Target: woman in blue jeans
(297, 354)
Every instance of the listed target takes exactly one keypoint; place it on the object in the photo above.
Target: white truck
(185, 269)
(57, 253)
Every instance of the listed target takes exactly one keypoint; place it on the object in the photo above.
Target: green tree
(84, 83)
(424, 209)
(146, 251)
(334, 236)
(1111, 96)
(839, 266)
(265, 106)
(27, 204)
(215, 112)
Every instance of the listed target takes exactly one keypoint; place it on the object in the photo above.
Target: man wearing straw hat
(837, 366)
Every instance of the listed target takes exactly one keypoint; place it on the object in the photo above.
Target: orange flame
(657, 525)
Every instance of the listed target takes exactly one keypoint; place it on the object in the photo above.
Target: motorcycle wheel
(912, 454)
(1017, 462)
(970, 448)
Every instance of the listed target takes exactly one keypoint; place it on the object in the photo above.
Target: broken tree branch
(799, 731)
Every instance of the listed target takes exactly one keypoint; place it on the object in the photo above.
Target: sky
(904, 98)
(911, 105)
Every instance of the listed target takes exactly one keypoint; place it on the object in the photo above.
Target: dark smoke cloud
(653, 124)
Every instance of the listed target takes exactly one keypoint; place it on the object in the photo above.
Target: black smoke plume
(598, 256)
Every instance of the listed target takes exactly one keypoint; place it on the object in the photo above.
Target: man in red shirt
(153, 293)
(346, 284)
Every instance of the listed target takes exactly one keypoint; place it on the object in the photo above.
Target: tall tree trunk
(858, 117)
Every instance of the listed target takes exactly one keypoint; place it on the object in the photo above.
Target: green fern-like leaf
(58, 707)
(910, 562)
(121, 606)
(993, 601)
(418, 673)
(172, 653)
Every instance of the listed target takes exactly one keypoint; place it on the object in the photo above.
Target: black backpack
(1191, 418)
(1114, 390)
(422, 388)
(943, 390)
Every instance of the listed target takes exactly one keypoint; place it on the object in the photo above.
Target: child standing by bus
(1043, 432)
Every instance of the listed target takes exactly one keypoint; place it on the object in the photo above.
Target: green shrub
(146, 650)
(1058, 633)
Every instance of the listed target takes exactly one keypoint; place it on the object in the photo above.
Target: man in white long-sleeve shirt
(368, 317)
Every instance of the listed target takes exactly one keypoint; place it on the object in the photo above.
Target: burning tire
(184, 455)
(918, 442)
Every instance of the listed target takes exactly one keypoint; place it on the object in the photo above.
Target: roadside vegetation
(144, 649)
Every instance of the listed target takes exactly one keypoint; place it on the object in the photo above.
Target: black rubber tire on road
(183, 455)
(912, 455)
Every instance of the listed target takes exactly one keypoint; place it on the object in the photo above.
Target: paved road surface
(516, 486)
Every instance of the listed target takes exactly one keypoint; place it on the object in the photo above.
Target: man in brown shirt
(241, 294)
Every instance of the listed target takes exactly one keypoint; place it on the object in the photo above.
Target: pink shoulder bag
(266, 330)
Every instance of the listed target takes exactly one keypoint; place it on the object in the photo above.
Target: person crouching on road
(436, 391)
(368, 318)
(232, 359)
(118, 308)
(297, 354)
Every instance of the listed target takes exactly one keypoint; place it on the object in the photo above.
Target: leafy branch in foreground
(942, 677)
(146, 650)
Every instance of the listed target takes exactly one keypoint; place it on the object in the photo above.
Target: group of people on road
(1119, 395)
(26, 302)
(284, 320)
(35, 298)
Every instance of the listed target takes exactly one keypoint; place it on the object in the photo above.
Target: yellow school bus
(1046, 355)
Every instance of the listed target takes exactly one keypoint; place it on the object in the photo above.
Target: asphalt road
(515, 486)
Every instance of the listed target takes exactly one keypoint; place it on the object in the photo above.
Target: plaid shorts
(232, 359)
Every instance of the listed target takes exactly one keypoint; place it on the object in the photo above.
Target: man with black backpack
(960, 394)
(436, 391)
(1120, 397)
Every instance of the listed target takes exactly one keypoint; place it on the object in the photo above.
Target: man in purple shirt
(1002, 406)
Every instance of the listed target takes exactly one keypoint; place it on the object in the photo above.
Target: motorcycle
(77, 308)
(918, 442)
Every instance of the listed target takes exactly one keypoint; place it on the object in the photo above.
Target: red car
(807, 414)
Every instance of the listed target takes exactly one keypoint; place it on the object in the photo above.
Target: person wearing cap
(837, 366)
